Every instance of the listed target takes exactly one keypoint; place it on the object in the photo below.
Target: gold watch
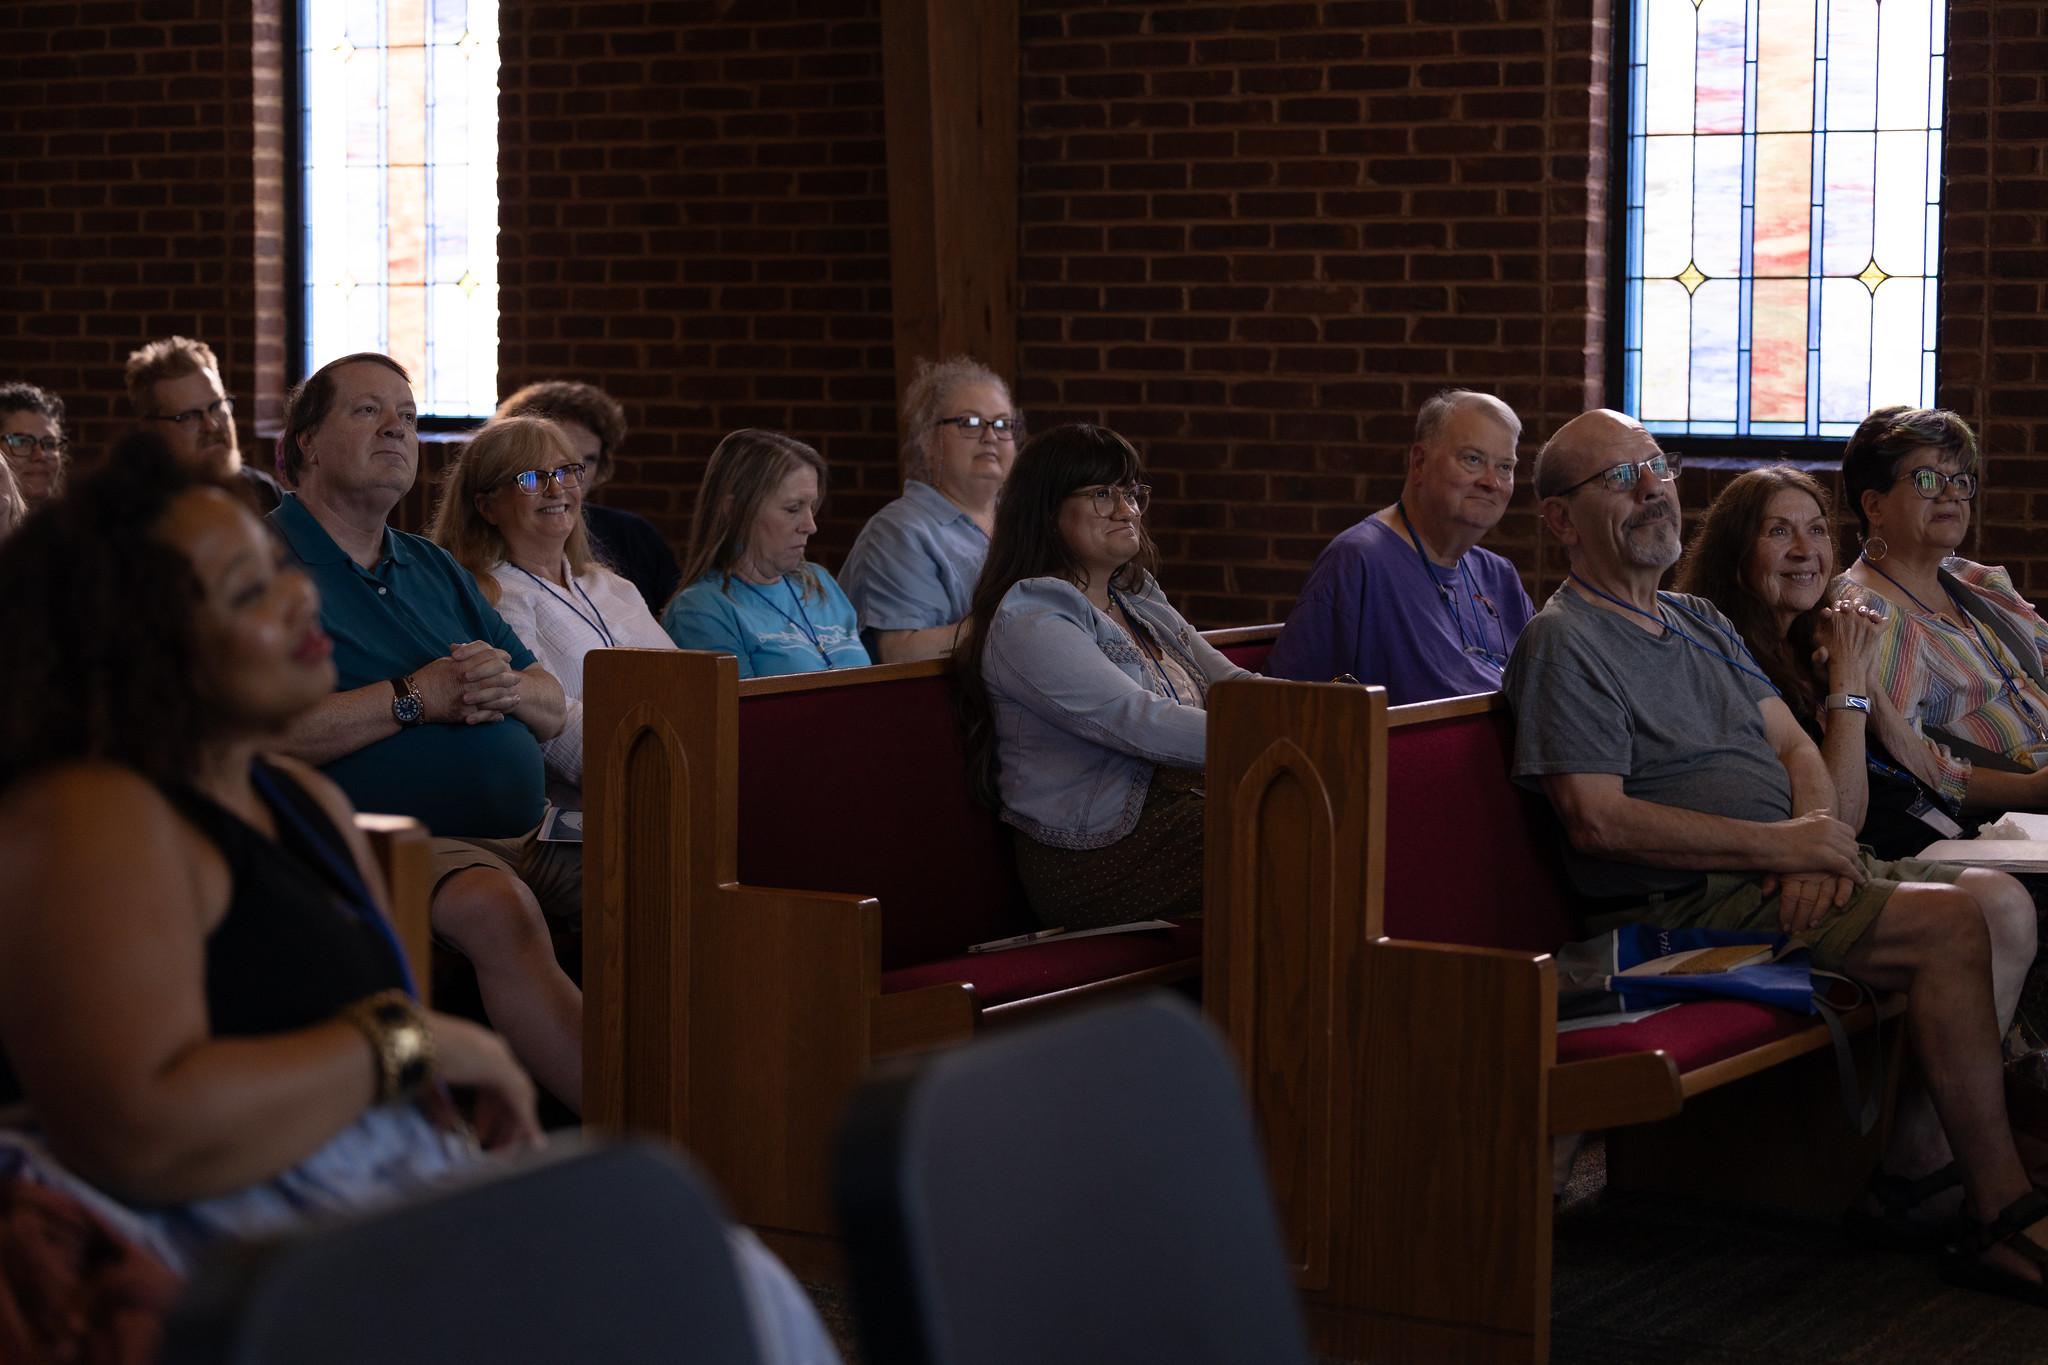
(399, 1038)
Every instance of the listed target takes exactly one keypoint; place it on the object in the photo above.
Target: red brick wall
(1256, 237)
(1994, 300)
(695, 217)
(134, 204)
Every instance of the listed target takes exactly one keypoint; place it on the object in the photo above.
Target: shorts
(553, 872)
(1735, 900)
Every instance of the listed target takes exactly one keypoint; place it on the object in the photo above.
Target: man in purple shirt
(1406, 598)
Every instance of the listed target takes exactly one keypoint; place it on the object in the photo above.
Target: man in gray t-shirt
(1690, 797)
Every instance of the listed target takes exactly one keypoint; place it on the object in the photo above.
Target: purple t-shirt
(1373, 607)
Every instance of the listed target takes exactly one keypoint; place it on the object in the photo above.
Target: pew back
(1471, 857)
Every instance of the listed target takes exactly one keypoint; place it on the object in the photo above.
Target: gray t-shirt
(1592, 692)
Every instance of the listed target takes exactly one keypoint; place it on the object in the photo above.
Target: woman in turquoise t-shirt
(747, 590)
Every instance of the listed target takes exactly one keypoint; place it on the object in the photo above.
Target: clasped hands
(1817, 868)
(473, 684)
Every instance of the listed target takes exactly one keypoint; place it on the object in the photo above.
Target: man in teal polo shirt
(439, 709)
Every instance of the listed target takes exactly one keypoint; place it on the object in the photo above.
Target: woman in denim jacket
(1083, 691)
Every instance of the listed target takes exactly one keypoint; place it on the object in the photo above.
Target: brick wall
(1256, 237)
(1994, 302)
(134, 205)
(695, 217)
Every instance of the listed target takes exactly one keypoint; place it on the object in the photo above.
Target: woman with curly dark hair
(201, 1000)
(1083, 691)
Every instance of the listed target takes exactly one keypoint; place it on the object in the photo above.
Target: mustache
(1650, 516)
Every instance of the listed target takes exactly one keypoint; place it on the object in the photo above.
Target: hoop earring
(1875, 548)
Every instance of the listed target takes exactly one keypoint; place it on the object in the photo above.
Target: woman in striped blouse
(1962, 653)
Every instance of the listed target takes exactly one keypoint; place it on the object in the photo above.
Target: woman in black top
(200, 997)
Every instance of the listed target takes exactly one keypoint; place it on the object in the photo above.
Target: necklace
(809, 631)
(2009, 684)
(1133, 629)
(1475, 648)
(1665, 601)
(595, 620)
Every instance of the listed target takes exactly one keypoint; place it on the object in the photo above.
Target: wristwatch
(392, 1023)
(408, 708)
(1846, 701)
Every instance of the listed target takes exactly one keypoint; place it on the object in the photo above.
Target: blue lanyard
(357, 895)
(2012, 684)
(1475, 648)
(1664, 600)
(1116, 600)
(810, 631)
(602, 628)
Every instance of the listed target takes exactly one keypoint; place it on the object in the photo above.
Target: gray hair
(1437, 412)
(924, 403)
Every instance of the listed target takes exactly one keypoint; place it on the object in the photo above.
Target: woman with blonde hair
(747, 589)
(911, 573)
(511, 513)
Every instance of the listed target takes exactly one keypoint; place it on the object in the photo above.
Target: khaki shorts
(1735, 900)
(553, 872)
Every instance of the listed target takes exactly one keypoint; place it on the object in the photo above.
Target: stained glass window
(399, 138)
(1784, 199)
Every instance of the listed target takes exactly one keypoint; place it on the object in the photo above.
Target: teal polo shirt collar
(315, 547)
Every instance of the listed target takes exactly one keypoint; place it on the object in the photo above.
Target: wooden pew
(1408, 1083)
(780, 881)
(400, 845)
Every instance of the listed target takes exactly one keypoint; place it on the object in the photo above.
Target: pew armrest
(401, 847)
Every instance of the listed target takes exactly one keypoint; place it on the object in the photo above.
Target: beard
(1650, 538)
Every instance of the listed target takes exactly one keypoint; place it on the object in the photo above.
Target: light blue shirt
(780, 628)
(1081, 716)
(914, 565)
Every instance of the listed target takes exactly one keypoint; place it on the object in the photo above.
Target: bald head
(1591, 441)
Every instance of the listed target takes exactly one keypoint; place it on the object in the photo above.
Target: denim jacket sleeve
(1043, 654)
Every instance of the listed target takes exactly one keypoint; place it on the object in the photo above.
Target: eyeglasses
(1929, 482)
(1105, 497)
(1005, 428)
(22, 444)
(221, 409)
(533, 481)
(1622, 477)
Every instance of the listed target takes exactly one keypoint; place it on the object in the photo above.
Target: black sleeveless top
(301, 937)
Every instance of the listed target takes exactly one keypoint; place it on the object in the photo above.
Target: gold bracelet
(396, 1029)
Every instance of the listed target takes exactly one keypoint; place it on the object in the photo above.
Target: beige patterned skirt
(1154, 872)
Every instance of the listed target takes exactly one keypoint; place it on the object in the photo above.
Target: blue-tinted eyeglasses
(533, 481)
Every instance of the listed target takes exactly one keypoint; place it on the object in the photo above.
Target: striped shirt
(1937, 673)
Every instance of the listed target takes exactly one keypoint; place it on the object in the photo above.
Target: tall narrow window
(399, 167)
(1784, 212)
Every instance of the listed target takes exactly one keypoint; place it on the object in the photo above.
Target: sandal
(1893, 1225)
(1963, 1264)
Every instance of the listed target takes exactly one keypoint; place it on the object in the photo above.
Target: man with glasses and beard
(1690, 797)
(174, 386)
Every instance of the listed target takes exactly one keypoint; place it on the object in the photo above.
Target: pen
(1021, 939)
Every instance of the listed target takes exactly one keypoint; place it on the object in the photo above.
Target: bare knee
(2007, 909)
(1943, 928)
(489, 914)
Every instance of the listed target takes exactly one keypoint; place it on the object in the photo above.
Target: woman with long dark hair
(1083, 690)
(1765, 555)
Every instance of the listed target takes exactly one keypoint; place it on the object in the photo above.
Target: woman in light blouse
(1083, 691)
(511, 512)
(911, 572)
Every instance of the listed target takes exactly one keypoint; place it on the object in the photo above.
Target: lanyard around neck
(600, 625)
(1132, 624)
(2010, 683)
(1659, 618)
(1474, 648)
(809, 631)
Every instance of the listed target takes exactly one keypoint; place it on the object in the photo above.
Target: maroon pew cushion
(1043, 968)
(1250, 656)
(1695, 1035)
(1471, 858)
(862, 788)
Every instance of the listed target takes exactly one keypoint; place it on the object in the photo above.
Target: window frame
(1707, 451)
(297, 325)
